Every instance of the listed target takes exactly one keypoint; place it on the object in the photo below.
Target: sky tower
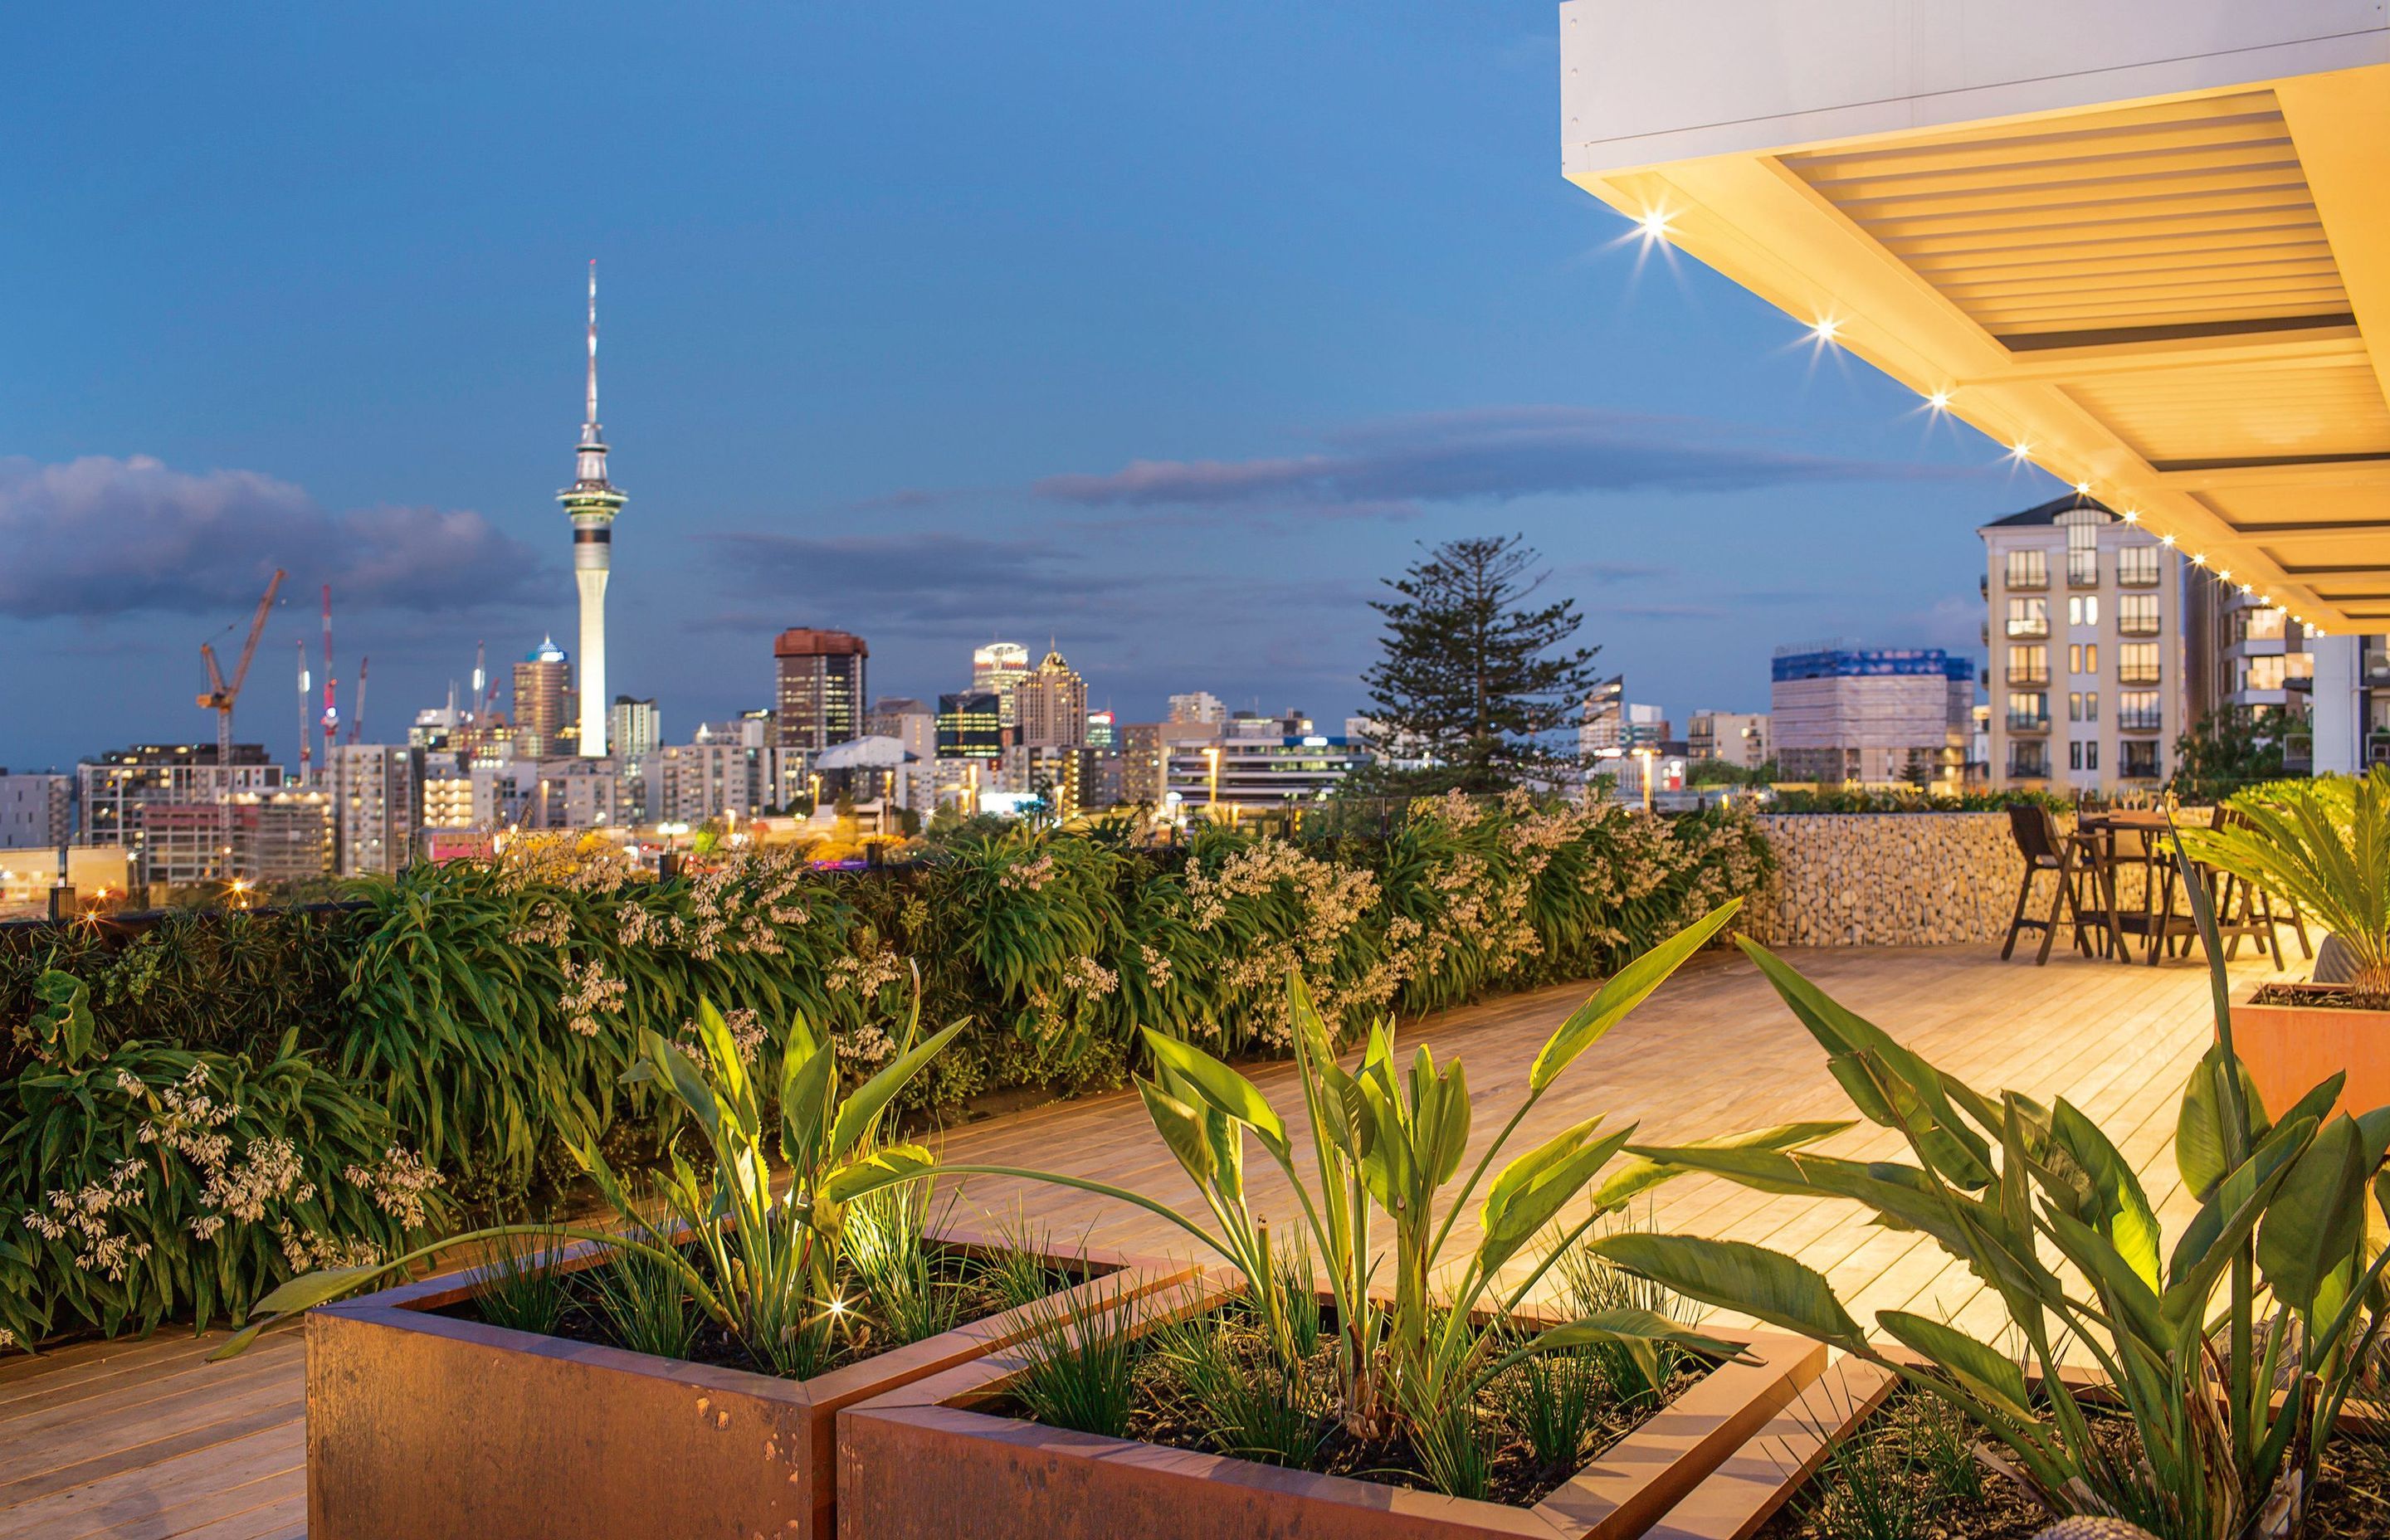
(592, 501)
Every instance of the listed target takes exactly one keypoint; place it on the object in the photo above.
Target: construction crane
(357, 722)
(220, 695)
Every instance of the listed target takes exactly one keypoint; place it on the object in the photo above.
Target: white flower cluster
(188, 1119)
(1030, 875)
(590, 992)
(83, 1214)
(307, 1250)
(581, 864)
(738, 906)
(547, 924)
(746, 1028)
(397, 1183)
(268, 1169)
(1157, 964)
(865, 973)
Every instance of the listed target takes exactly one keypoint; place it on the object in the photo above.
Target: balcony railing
(2027, 577)
(2136, 625)
(2132, 674)
(2028, 721)
(2083, 572)
(2033, 679)
(2025, 631)
(2028, 769)
(2140, 721)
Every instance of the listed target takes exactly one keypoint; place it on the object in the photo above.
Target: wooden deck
(146, 1441)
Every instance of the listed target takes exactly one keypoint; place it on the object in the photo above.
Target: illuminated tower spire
(592, 501)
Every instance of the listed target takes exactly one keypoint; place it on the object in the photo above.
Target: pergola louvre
(2160, 267)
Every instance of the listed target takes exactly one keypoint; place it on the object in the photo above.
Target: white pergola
(2144, 242)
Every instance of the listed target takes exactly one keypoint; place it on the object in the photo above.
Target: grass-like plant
(645, 1301)
(518, 1285)
(1552, 1399)
(1255, 1408)
(2324, 845)
(2234, 1349)
(1076, 1366)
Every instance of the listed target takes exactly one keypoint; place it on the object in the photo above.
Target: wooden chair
(2038, 841)
(2237, 913)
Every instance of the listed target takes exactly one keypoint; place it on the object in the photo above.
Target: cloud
(1396, 467)
(932, 580)
(98, 537)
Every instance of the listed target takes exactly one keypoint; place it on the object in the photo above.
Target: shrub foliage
(468, 1024)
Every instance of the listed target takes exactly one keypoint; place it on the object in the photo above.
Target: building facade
(2087, 666)
(1259, 764)
(36, 810)
(915, 727)
(377, 804)
(1198, 706)
(1145, 767)
(117, 789)
(970, 726)
(1871, 716)
(1050, 706)
(697, 782)
(1739, 738)
(821, 687)
(998, 669)
(544, 718)
(252, 837)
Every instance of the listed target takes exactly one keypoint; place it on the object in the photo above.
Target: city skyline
(1214, 407)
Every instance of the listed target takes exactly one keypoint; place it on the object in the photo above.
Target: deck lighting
(2082, 489)
(2132, 516)
(2021, 451)
(1826, 329)
(1654, 226)
(2224, 575)
(2198, 558)
(1938, 402)
(2166, 540)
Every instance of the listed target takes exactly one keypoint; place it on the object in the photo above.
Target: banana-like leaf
(1221, 1086)
(304, 1292)
(1981, 1368)
(1539, 1201)
(1627, 1324)
(1735, 1274)
(1440, 1118)
(2317, 1218)
(2200, 1140)
(859, 1114)
(1629, 987)
(2213, 1237)
(1641, 1174)
(2118, 1207)
(1902, 1196)
(1182, 1129)
(884, 1167)
(1522, 1170)
(808, 1082)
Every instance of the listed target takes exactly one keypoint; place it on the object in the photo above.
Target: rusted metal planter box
(424, 1426)
(2289, 1049)
(918, 1463)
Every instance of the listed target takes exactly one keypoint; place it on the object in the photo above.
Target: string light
(2132, 516)
(1654, 226)
(2082, 489)
(2021, 450)
(2166, 540)
(2198, 558)
(1938, 402)
(1826, 329)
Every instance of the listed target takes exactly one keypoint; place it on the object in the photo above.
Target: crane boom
(221, 695)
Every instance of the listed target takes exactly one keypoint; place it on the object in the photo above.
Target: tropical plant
(2324, 845)
(765, 1267)
(2231, 1412)
(1388, 1145)
(1074, 1365)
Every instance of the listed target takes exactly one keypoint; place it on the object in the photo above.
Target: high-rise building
(1104, 730)
(560, 793)
(592, 502)
(1871, 716)
(2240, 654)
(696, 782)
(821, 687)
(543, 686)
(1198, 706)
(36, 812)
(284, 836)
(2087, 668)
(635, 729)
(377, 806)
(1050, 706)
(997, 669)
(969, 725)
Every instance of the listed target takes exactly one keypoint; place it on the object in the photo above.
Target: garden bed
(425, 1423)
(952, 1454)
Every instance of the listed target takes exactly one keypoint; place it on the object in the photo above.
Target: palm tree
(2323, 845)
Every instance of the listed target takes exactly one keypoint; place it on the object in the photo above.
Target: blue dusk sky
(1162, 330)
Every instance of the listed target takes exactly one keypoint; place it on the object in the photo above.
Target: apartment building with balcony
(2087, 673)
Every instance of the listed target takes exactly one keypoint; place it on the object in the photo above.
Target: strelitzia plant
(2232, 1410)
(1388, 1144)
(761, 1263)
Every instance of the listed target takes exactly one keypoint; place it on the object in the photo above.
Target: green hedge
(476, 1017)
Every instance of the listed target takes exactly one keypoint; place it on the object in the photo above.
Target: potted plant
(2323, 845)
(2192, 1390)
(681, 1373)
(1257, 1401)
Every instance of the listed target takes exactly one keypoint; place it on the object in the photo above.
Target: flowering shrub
(486, 1011)
(155, 1181)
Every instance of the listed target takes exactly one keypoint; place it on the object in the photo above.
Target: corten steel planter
(920, 1464)
(424, 1426)
(2291, 1048)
